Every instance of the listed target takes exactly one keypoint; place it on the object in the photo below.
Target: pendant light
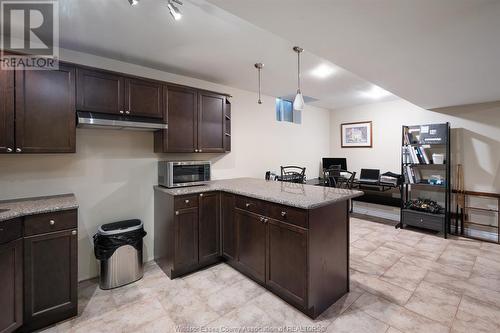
(298, 102)
(259, 66)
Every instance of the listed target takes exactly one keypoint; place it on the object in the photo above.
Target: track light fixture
(174, 10)
(259, 66)
(133, 2)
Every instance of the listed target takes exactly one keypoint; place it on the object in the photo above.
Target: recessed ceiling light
(323, 71)
(133, 2)
(376, 93)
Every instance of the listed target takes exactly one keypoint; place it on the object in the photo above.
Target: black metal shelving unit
(426, 139)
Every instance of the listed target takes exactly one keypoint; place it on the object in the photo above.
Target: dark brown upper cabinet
(211, 122)
(45, 111)
(209, 226)
(100, 91)
(181, 115)
(7, 140)
(197, 121)
(143, 98)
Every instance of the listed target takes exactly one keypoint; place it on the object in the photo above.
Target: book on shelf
(412, 176)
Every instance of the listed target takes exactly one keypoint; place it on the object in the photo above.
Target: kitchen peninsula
(293, 239)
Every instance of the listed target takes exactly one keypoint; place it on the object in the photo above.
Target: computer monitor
(329, 161)
(370, 175)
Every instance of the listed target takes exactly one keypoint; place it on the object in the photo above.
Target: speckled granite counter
(10, 209)
(290, 194)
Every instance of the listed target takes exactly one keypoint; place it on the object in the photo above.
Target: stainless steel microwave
(180, 174)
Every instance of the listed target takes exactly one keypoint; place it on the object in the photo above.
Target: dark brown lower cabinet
(11, 286)
(228, 226)
(186, 238)
(251, 243)
(50, 278)
(209, 226)
(286, 272)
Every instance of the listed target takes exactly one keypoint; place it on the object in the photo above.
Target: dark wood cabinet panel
(211, 121)
(181, 115)
(11, 286)
(251, 244)
(209, 226)
(50, 278)
(144, 98)
(100, 91)
(6, 111)
(50, 222)
(287, 261)
(229, 249)
(186, 238)
(45, 111)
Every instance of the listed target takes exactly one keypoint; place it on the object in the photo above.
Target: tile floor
(401, 281)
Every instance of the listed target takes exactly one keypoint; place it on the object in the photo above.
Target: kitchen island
(291, 238)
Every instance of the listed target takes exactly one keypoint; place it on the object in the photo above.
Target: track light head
(174, 11)
(133, 2)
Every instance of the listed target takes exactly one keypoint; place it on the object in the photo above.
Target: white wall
(113, 172)
(475, 138)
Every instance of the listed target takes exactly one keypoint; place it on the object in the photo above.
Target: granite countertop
(10, 209)
(289, 194)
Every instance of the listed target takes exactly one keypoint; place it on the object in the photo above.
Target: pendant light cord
(260, 102)
(298, 70)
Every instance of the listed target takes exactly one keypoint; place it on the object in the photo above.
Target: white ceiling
(434, 53)
(207, 43)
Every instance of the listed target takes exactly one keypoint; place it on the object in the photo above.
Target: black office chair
(332, 175)
(346, 182)
(293, 174)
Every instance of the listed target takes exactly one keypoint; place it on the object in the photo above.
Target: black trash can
(118, 247)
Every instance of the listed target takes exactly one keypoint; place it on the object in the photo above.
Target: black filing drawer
(423, 220)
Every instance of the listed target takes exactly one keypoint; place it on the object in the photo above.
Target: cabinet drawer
(49, 222)
(187, 201)
(251, 205)
(10, 230)
(288, 214)
(423, 220)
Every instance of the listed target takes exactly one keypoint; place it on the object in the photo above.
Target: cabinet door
(45, 111)
(182, 135)
(186, 238)
(287, 261)
(11, 286)
(229, 235)
(251, 244)
(99, 91)
(211, 122)
(50, 278)
(143, 98)
(209, 226)
(6, 111)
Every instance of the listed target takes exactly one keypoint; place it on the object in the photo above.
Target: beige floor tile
(204, 282)
(405, 275)
(233, 296)
(397, 316)
(476, 316)
(367, 245)
(457, 257)
(248, 317)
(393, 330)
(357, 321)
(436, 267)
(384, 257)
(340, 306)
(356, 253)
(161, 325)
(382, 288)
(366, 267)
(435, 302)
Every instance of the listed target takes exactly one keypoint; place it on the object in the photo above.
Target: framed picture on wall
(356, 135)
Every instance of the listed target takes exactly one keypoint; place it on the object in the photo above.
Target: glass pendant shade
(298, 102)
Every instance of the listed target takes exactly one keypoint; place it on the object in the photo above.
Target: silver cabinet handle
(186, 201)
(266, 220)
(196, 150)
(52, 222)
(283, 214)
(127, 112)
(74, 232)
(9, 150)
(121, 111)
(18, 150)
(176, 212)
(262, 219)
(248, 205)
(201, 151)
(201, 194)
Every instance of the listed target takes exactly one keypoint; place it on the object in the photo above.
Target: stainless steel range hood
(107, 121)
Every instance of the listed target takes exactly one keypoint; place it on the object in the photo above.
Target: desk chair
(332, 175)
(293, 174)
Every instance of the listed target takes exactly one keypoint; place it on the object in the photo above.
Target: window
(285, 112)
